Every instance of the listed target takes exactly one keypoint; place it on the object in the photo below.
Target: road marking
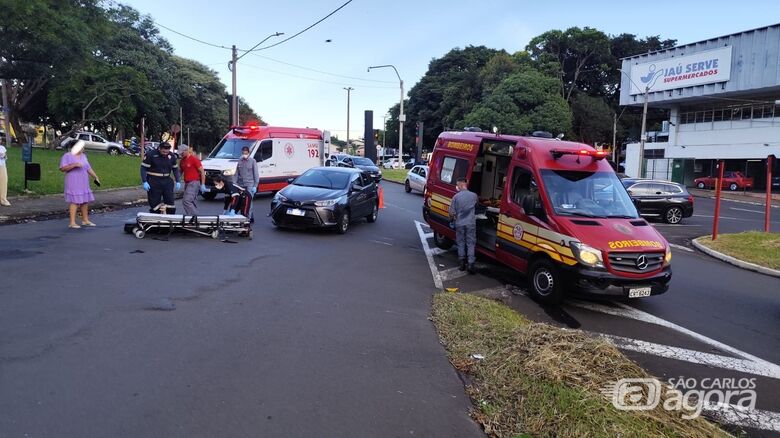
(745, 209)
(380, 242)
(693, 356)
(756, 418)
(684, 248)
(429, 255)
(428, 235)
(452, 274)
(627, 311)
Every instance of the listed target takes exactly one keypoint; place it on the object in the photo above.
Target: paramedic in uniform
(462, 213)
(156, 170)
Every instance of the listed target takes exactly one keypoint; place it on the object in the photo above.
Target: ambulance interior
(488, 179)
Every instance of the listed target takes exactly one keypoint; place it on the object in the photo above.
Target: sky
(300, 83)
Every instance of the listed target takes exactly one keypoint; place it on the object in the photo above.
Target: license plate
(639, 292)
(296, 212)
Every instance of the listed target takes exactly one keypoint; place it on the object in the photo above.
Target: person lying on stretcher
(237, 199)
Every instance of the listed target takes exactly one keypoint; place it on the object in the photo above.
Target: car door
(414, 178)
(652, 198)
(99, 143)
(266, 159)
(512, 244)
(357, 196)
(422, 178)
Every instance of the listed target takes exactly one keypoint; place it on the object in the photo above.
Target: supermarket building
(723, 97)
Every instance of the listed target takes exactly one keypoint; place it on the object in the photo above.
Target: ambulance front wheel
(442, 241)
(545, 282)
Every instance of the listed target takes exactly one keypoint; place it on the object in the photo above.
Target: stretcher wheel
(215, 234)
(250, 235)
(139, 233)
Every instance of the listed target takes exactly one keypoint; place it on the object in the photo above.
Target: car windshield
(362, 162)
(230, 148)
(325, 179)
(588, 194)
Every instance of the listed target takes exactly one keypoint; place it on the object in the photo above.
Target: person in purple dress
(75, 166)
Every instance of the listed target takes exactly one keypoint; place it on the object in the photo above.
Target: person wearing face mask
(462, 213)
(231, 192)
(247, 176)
(3, 178)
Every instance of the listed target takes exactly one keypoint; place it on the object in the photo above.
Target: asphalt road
(291, 334)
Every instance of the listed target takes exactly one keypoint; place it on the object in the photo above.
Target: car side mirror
(290, 180)
(356, 187)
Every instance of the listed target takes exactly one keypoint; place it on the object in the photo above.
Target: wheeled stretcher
(211, 226)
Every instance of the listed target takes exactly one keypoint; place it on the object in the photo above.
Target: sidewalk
(25, 208)
(753, 197)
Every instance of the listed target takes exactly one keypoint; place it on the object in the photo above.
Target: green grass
(751, 246)
(397, 175)
(539, 380)
(114, 172)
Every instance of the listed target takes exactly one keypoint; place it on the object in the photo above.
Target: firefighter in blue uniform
(156, 170)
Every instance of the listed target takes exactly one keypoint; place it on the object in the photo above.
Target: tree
(44, 40)
(592, 119)
(522, 103)
(582, 55)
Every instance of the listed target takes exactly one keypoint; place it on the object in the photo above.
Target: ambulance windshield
(588, 194)
(230, 148)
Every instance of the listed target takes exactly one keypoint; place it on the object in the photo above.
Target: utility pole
(643, 135)
(6, 113)
(349, 90)
(234, 103)
(614, 138)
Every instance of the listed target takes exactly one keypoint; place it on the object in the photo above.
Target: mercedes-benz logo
(641, 262)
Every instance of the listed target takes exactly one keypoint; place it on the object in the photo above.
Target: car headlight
(229, 172)
(327, 202)
(280, 197)
(587, 255)
(668, 256)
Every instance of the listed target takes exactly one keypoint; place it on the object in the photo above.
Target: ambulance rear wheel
(442, 241)
(545, 281)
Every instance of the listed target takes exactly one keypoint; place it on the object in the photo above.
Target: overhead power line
(192, 37)
(322, 71)
(309, 27)
(308, 78)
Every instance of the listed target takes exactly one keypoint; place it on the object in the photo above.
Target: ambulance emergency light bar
(249, 127)
(598, 155)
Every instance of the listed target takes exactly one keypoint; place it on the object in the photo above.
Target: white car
(416, 179)
(391, 163)
(95, 142)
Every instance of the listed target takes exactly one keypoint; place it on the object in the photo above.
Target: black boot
(472, 269)
(462, 266)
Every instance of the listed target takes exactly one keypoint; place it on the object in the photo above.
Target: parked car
(731, 180)
(335, 159)
(95, 142)
(363, 164)
(416, 179)
(666, 200)
(391, 163)
(776, 182)
(326, 197)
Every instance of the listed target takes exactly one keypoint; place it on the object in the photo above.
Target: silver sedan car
(416, 179)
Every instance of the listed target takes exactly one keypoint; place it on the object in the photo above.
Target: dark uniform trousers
(161, 189)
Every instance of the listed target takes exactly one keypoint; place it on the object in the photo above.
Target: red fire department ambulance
(281, 154)
(553, 210)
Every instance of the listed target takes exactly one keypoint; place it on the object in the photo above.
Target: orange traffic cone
(381, 197)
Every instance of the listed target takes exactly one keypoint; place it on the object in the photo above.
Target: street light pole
(401, 115)
(349, 90)
(232, 68)
(643, 133)
(384, 133)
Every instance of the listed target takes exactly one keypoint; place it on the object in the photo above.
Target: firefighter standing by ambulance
(156, 170)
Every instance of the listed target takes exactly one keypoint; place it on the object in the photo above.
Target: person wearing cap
(75, 166)
(246, 174)
(3, 178)
(156, 170)
(194, 179)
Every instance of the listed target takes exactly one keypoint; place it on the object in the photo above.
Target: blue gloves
(252, 191)
(203, 188)
(178, 186)
(231, 213)
(147, 187)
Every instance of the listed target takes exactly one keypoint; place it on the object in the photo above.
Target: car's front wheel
(343, 224)
(407, 186)
(113, 151)
(673, 215)
(733, 187)
(371, 218)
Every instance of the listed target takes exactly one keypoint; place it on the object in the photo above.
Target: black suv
(666, 200)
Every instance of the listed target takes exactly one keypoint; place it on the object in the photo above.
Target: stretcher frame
(214, 226)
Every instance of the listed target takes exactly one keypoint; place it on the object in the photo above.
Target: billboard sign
(682, 71)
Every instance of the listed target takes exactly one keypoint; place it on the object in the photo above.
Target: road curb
(734, 261)
(391, 181)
